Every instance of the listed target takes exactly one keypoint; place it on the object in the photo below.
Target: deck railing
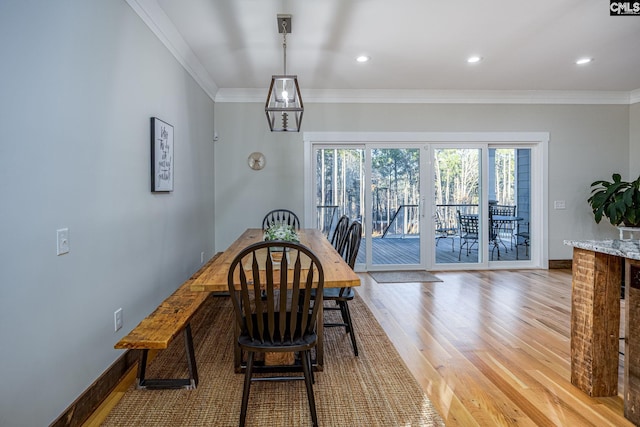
(404, 222)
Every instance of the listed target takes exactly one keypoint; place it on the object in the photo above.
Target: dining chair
(469, 232)
(284, 321)
(339, 234)
(281, 216)
(342, 296)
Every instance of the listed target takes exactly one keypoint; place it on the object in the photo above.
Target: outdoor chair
(280, 216)
(505, 227)
(444, 230)
(469, 232)
(342, 296)
(285, 320)
(340, 233)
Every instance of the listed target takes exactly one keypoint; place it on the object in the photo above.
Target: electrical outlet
(559, 204)
(117, 319)
(62, 241)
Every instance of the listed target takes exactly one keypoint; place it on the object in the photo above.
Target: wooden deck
(406, 251)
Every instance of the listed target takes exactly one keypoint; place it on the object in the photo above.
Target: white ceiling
(233, 46)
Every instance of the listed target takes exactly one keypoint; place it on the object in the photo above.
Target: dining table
(337, 274)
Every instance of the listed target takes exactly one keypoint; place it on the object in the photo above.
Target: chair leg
(345, 315)
(247, 388)
(306, 367)
(351, 331)
(313, 378)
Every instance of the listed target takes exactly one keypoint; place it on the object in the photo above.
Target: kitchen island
(595, 319)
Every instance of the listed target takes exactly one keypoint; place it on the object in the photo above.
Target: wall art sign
(161, 155)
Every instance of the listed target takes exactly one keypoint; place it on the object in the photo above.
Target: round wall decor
(256, 161)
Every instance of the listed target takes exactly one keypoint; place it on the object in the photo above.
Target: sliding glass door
(391, 217)
(427, 202)
(394, 209)
(457, 198)
(470, 227)
(339, 190)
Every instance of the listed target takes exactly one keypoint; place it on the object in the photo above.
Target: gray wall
(80, 80)
(587, 142)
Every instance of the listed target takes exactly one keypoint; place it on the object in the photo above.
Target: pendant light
(284, 103)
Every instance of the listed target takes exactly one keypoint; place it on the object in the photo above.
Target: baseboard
(78, 412)
(559, 263)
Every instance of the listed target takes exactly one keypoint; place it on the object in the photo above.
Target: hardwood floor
(491, 348)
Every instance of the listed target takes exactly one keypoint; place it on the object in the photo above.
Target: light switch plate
(63, 241)
(117, 319)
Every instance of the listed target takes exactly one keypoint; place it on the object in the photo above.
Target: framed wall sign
(161, 155)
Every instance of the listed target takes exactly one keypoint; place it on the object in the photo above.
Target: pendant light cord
(284, 44)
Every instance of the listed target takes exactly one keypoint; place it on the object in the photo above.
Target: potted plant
(279, 231)
(617, 200)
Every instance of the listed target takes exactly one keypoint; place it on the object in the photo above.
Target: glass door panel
(457, 222)
(394, 208)
(509, 203)
(339, 189)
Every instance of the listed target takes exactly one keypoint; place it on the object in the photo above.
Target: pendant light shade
(284, 106)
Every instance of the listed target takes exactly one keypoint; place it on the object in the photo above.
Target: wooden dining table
(337, 273)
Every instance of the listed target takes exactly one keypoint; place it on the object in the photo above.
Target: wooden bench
(158, 329)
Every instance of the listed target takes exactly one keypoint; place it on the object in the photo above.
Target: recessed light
(363, 58)
(474, 59)
(583, 61)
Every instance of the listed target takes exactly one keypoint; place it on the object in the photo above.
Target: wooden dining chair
(342, 296)
(284, 321)
(340, 233)
(281, 216)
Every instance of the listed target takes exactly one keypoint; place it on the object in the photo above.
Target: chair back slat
(340, 233)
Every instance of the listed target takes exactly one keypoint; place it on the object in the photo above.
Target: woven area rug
(403, 276)
(373, 389)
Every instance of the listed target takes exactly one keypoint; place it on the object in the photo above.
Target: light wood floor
(490, 348)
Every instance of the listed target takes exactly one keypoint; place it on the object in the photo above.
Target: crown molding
(154, 17)
(388, 96)
(159, 23)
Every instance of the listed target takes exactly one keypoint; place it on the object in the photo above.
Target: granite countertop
(622, 248)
